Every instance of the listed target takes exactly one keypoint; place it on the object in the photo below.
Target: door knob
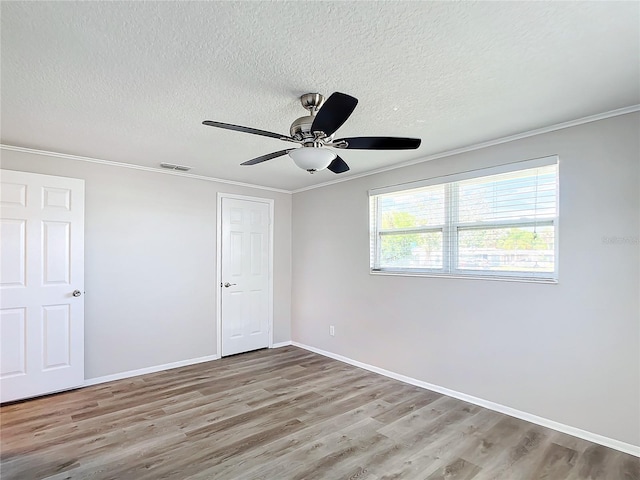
(76, 293)
(227, 285)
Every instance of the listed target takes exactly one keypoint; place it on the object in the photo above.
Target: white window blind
(490, 225)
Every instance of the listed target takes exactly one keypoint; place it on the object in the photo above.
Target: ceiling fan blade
(240, 128)
(266, 157)
(338, 165)
(333, 113)
(380, 143)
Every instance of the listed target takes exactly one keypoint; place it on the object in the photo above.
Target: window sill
(548, 281)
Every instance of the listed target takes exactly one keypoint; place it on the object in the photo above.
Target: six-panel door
(41, 265)
(245, 268)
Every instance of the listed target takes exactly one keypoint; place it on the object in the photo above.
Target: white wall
(150, 262)
(567, 352)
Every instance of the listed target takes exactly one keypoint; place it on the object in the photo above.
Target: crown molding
(448, 153)
(478, 146)
(139, 167)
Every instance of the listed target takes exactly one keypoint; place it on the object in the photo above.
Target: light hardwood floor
(284, 414)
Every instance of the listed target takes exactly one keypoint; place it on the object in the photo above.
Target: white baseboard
(144, 371)
(545, 422)
(159, 368)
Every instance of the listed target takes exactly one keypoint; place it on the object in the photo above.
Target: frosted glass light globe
(312, 159)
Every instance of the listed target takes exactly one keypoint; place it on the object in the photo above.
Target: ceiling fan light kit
(315, 131)
(312, 159)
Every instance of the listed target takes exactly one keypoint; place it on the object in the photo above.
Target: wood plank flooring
(284, 414)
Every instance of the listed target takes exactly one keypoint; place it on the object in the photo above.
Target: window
(499, 222)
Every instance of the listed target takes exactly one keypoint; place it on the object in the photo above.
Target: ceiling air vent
(173, 166)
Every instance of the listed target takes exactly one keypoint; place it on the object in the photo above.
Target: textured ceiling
(132, 81)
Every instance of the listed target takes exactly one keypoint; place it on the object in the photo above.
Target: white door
(42, 264)
(245, 275)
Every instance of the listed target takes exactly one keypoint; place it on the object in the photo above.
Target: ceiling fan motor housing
(301, 128)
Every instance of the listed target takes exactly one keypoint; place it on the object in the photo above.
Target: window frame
(451, 227)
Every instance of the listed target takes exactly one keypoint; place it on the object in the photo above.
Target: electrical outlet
(332, 330)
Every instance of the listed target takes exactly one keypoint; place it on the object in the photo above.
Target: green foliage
(398, 220)
(519, 239)
(397, 249)
(504, 239)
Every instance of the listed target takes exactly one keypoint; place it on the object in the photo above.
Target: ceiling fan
(315, 131)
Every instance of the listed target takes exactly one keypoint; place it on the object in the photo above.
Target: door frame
(270, 202)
